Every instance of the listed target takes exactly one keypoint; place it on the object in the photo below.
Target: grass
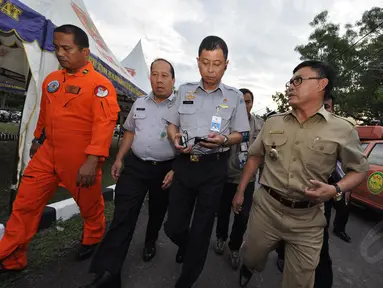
(7, 165)
(9, 127)
(51, 244)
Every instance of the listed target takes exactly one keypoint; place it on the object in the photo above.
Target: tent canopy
(136, 66)
(31, 23)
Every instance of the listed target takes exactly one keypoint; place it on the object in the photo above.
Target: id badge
(242, 157)
(216, 124)
(244, 146)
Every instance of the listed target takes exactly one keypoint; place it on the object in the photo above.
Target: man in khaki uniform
(300, 149)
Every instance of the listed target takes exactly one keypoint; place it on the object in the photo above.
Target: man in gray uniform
(207, 118)
(237, 160)
(148, 167)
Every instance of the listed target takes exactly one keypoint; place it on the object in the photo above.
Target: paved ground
(356, 265)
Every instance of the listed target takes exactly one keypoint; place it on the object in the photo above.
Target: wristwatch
(338, 195)
(226, 140)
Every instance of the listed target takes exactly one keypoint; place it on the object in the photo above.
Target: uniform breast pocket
(274, 147)
(187, 115)
(322, 154)
(225, 114)
(139, 119)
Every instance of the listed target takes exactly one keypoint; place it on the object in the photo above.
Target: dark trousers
(137, 178)
(323, 272)
(198, 186)
(342, 214)
(240, 220)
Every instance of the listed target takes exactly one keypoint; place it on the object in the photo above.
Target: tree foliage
(356, 53)
(282, 101)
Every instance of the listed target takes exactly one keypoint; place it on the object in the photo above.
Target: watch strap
(338, 190)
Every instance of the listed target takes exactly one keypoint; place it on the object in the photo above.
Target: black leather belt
(204, 157)
(150, 161)
(289, 203)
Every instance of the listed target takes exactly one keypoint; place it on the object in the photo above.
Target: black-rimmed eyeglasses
(296, 81)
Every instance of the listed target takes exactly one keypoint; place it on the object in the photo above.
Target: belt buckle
(293, 204)
(194, 158)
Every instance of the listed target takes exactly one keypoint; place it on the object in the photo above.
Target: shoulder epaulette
(232, 88)
(343, 118)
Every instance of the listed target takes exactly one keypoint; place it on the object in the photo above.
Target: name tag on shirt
(140, 109)
(72, 89)
(188, 102)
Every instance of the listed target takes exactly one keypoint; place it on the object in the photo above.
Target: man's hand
(116, 169)
(87, 173)
(176, 141)
(35, 146)
(321, 192)
(237, 202)
(168, 180)
(215, 140)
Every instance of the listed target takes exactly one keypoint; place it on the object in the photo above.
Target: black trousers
(137, 178)
(323, 272)
(342, 214)
(240, 220)
(196, 186)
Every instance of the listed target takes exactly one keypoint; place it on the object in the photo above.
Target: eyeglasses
(296, 81)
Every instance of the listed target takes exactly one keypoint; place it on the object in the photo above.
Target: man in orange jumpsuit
(78, 113)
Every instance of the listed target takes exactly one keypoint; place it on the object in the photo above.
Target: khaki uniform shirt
(234, 166)
(195, 107)
(307, 150)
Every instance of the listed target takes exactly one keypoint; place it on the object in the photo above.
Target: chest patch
(53, 86)
(101, 91)
(72, 89)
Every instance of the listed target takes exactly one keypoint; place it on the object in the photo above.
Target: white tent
(33, 21)
(136, 66)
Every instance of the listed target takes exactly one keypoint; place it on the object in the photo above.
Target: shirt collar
(83, 71)
(322, 111)
(151, 96)
(200, 85)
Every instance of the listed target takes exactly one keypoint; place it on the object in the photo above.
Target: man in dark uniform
(201, 167)
(342, 206)
(147, 168)
(237, 160)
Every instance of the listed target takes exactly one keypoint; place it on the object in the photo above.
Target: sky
(261, 35)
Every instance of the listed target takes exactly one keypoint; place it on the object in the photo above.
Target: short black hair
(164, 60)
(323, 70)
(247, 91)
(211, 43)
(80, 38)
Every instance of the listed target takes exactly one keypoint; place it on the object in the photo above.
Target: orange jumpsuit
(79, 113)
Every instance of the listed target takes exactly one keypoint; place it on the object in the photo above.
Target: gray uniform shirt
(145, 120)
(195, 108)
(235, 168)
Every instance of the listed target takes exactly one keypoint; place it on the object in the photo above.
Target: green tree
(357, 57)
(282, 102)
